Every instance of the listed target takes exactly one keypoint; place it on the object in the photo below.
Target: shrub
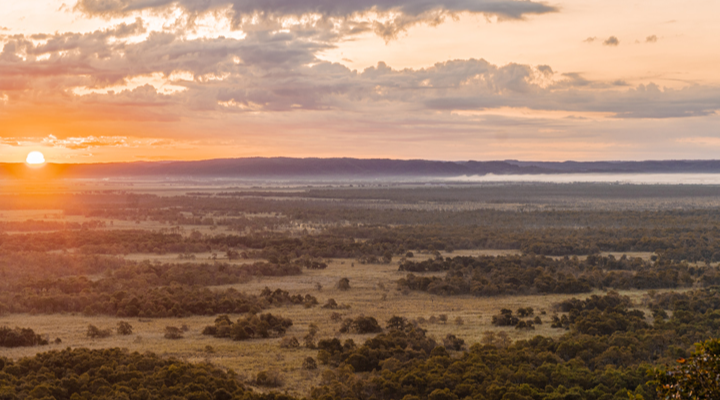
(271, 378)
(289, 343)
(172, 332)
(453, 342)
(94, 332)
(124, 328)
(360, 325)
(343, 284)
(309, 364)
(331, 304)
(525, 312)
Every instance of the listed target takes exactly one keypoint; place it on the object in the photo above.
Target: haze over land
(675, 171)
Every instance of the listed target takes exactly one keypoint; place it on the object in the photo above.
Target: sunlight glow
(35, 158)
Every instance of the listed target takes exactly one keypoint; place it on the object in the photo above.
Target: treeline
(16, 267)
(31, 225)
(148, 290)
(515, 274)
(682, 243)
(102, 242)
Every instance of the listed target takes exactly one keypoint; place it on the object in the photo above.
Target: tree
(172, 332)
(343, 284)
(232, 254)
(396, 322)
(309, 364)
(387, 257)
(94, 332)
(124, 328)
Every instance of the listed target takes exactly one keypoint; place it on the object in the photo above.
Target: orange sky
(99, 81)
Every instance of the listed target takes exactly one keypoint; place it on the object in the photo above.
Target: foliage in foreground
(608, 352)
(694, 378)
(115, 374)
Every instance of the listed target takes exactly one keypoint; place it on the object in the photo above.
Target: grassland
(372, 293)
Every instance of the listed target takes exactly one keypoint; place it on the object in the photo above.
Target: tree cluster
(20, 337)
(515, 274)
(251, 327)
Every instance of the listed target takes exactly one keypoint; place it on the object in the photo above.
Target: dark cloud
(611, 41)
(332, 8)
(405, 12)
(546, 70)
(590, 39)
(651, 39)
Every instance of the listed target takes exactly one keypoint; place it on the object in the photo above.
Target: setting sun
(35, 158)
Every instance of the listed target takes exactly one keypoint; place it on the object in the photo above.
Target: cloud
(82, 143)
(651, 39)
(387, 17)
(611, 41)
(590, 39)
(115, 77)
(701, 140)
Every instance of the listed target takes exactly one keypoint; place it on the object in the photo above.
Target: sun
(35, 158)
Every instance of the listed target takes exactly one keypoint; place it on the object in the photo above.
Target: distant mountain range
(287, 168)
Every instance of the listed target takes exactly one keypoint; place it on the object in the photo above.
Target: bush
(174, 333)
(453, 342)
(94, 332)
(269, 378)
(331, 304)
(360, 325)
(124, 328)
(289, 343)
(309, 364)
(343, 284)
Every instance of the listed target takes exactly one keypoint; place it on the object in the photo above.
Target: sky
(145, 80)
